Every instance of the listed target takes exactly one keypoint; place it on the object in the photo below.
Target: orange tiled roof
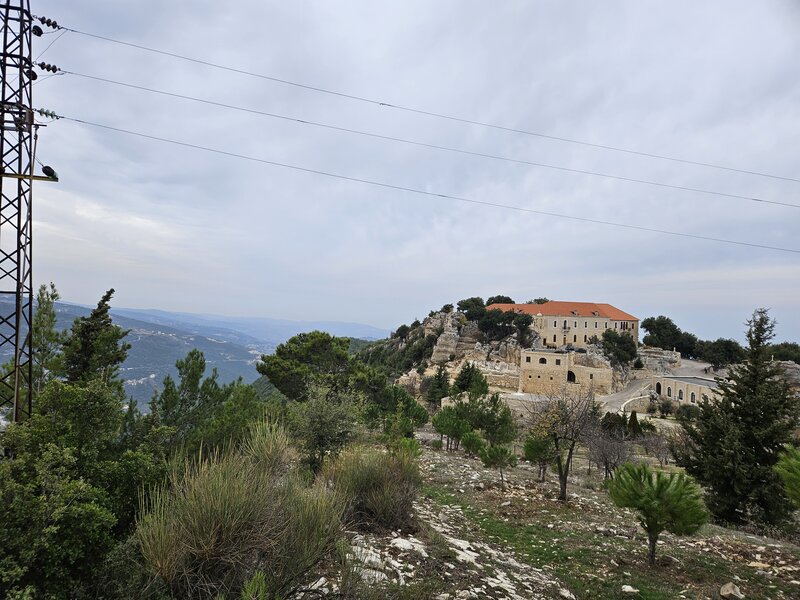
(555, 308)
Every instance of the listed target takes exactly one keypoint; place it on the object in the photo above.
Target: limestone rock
(730, 590)
(627, 589)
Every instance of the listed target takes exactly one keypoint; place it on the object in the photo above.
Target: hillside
(231, 345)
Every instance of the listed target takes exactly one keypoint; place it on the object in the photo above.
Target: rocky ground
(473, 539)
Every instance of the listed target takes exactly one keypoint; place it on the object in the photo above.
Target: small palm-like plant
(665, 502)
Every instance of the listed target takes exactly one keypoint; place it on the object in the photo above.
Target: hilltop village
(563, 348)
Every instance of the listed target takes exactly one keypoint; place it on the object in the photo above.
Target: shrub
(687, 412)
(379, 488)
(224, 517)
(436, 444)
(638, 364)
(664, 502)
(666, 407)
(323, 425)
(473, 443)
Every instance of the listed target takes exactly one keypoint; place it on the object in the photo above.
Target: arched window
(574, 338)
(658, 388)
(542, 361)
(669, 392)
(693, 398)
(554, 338)
(680, 394)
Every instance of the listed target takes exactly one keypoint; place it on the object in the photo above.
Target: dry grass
(226, 516)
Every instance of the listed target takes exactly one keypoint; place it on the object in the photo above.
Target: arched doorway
(570, 377)
(658, 388)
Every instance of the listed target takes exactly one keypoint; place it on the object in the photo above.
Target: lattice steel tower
(17, 153)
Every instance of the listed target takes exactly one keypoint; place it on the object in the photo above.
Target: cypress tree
(735, 441)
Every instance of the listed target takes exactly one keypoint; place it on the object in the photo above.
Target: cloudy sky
(183, 229)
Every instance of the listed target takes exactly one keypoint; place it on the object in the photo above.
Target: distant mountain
(232, 345)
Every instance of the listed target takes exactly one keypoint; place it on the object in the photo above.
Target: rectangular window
(555, 323)
(558, 361)
(591, 375)
(527, 359)
(615, 325)
(586, 324)
(595, 324)
(606, 325)
(576, 324)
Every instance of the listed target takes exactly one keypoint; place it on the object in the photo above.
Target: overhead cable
(425, 192)
(425, 144)
(428, 113)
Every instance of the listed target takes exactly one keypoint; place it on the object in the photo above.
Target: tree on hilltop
(473, 308)
(499, 300)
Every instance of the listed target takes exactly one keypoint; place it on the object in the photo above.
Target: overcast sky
(182, 229)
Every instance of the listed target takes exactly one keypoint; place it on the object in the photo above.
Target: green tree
(315, 358)
(473, 443)
(634, 428)
(94, 349)
(470, 380)
(69, 491)
(473, 308)
(324, 424)
(402, 332)
(539, 450)
(620, 348)
(439, 387)
(499, 299)
(788, 468)
(735, 441)
(720, 353)
(496, 324)
(496, 421)
(785, 351)
(46, 341)
(450, 424)
(498, 457)
(522, 323)
(664, 502)
(663, 333)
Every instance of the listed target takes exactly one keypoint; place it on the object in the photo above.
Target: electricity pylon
(17, 154)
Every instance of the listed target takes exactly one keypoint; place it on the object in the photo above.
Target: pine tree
(664, 502)
(94, 348)
(735, 441)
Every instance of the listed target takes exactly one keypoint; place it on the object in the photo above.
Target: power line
(425, 144)
(424, 192)
(427, 112)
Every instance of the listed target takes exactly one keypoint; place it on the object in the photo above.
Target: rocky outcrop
(792, 371)
(658, 360)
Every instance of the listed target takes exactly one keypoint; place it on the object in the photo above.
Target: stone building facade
(574, 323)
(541, 371)
(684, 390)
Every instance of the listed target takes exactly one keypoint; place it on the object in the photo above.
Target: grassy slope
(596, 548)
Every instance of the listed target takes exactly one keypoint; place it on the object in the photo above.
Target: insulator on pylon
(49, 22)
(31, 74)
(48, 67)
(37, 31)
